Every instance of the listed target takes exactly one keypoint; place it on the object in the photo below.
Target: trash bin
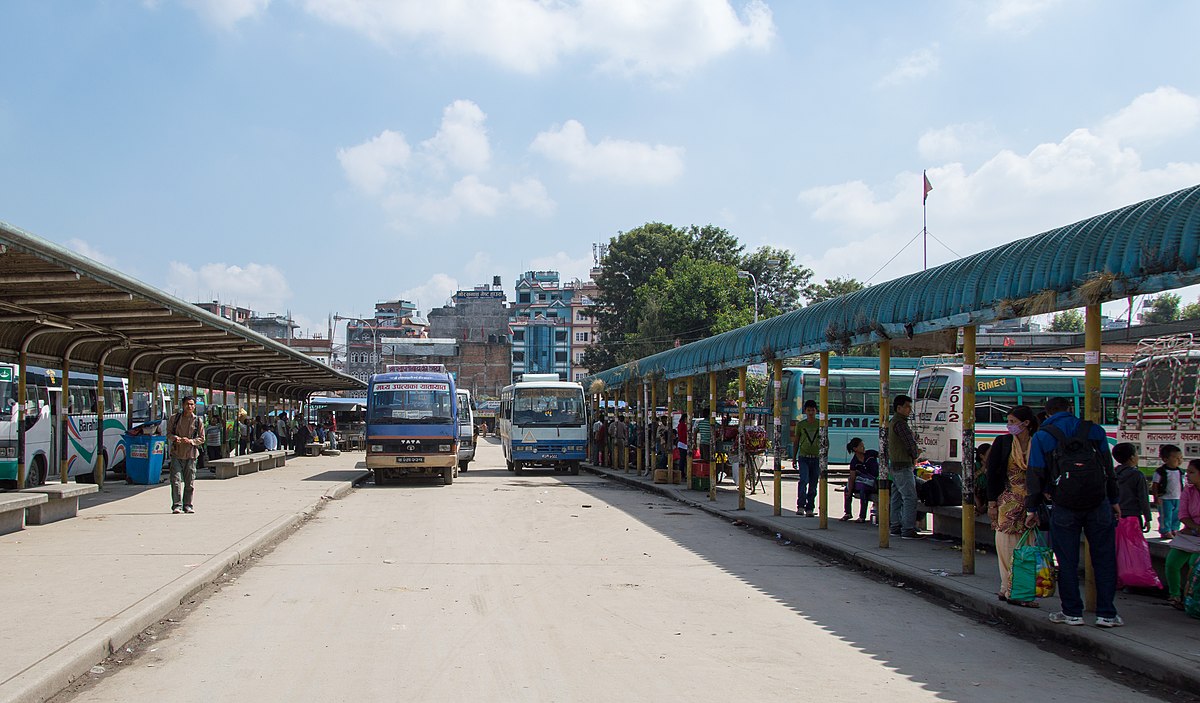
(144, 456)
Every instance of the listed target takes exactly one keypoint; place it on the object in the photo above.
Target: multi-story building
(541, 325)
(477, 320)
(394, 319)
(583, 324)
(229, 312)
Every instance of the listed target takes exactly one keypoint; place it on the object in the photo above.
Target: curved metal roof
(56, 302)
(1147, 247)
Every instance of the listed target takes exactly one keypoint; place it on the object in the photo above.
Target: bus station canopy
(1144, 248)
(60, 307)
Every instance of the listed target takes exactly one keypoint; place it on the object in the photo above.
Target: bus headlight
(8, 452)
(445, 447)
(377, 447)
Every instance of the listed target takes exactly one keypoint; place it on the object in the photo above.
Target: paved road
(565, 588)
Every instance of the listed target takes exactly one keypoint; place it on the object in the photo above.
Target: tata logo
(411, 447)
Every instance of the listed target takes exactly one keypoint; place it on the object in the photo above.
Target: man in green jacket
(806, 447)
(903, 450)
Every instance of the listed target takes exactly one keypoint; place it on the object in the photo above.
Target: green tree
(1067, 321)
(1163, 308)
(697, 299)
(831, 288)
(1191, 311)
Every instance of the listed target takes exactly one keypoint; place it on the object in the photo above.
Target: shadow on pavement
(341, 475)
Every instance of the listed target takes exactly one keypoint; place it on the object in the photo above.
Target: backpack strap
(1056, 433)
(1084, 429)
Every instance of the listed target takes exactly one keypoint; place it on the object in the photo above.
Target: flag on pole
(928, 187)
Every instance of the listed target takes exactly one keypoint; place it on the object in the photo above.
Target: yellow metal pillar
(652, 434)
(777, 440)
(63, 422)
(968, 451)
(628, 421)
(100, 467)
(22, 362)
(742, 456)
(823, 462)
(689, 416)
(712, 435)
(641, 428)
(1091, 412)
(884, 494)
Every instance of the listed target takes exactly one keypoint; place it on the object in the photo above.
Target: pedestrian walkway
(80, 588)
(1157, 641)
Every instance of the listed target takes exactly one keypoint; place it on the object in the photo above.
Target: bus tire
(462, 465)
(377, 478)
(517, 468)
(37, 474)
(448, 475)
(573, 469)
(89, 477)
(508, 463)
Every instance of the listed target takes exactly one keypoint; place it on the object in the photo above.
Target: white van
(466, 429)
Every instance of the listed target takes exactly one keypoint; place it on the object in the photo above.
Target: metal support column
(652, 432)
(743, 458)
(884, 494)
(687, 440)
(712, 435)
(823, 451)
(968, 451)
(777, 440)
(1092, 343)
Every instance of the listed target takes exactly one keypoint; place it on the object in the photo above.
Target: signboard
(479, 295)
(443, 387)
(6, 373)
(416, 368)
(757, 370)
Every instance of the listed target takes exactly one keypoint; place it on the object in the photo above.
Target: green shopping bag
(1032, 568)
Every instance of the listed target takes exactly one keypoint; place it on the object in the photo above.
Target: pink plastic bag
(1133, 556)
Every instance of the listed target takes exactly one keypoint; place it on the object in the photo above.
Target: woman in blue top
(864, 470)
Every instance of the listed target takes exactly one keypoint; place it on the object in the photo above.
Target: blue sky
(320, 155)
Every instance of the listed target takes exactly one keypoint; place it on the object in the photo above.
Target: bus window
(1110, 409)
(861, 392)
(1005, 385)
(114, 401)
(82, 400)
(992, 408)
(1048, 387)
(930, 387)
(837, 398)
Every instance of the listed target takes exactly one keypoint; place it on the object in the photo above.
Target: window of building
(541, 297)
(523, 298)
(560, 357)
(581, 336)
(560, 335)
(519, 356)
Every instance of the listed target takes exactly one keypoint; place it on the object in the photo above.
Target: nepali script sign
(444, 387)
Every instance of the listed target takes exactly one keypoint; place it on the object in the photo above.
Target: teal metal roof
(1147, 247)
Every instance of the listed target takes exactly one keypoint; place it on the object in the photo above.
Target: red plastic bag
(1133, 556)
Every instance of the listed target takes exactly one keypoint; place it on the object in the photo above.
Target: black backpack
(941, 489)
(1077, 469)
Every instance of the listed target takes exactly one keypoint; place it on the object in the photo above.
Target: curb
(1106, 646)
(48, 677)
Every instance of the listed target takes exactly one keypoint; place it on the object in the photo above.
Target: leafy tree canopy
(1067, 321)
(831, 288)
(1163, 308)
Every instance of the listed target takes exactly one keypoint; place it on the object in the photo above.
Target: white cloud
(956, 142)
(480, 266)
(616, 160)
(1018, 15)
(80, 246)
(461, 139)
(918, 64)
(227, 13)
(370, 164)
(444, 177)
(260, 287)
(1008, 197)
(1153, 117)
(433, 293)
(658, 38)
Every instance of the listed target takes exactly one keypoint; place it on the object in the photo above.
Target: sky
(317, 156)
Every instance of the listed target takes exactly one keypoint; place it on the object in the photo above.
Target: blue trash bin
(144, 456)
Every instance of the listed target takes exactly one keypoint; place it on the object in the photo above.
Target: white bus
(543, 423)
(466, 429)
(44, 440)
(937, 393)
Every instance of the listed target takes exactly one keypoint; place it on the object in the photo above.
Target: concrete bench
(275, 458)
(233, 466)
(12, 509)
(62, 502)
(315, 448)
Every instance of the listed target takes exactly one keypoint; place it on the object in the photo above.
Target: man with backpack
(1071, 466)
(185, 432)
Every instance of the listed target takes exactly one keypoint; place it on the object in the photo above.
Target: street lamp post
(754, 284)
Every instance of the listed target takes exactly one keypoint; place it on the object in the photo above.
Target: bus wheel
(517, 468)
(508, 463)
(37, 475)
(448, 475)
(86, 478)
(574, 468)
(462, 465)
(377, 478)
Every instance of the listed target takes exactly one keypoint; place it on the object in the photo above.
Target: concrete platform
(62, 502)
(12, 510)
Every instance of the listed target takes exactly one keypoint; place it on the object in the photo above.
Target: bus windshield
(430, 404)
(548, 407)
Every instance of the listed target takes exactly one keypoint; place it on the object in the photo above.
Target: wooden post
(652, 433)
(64, 422)
(1092, 343)
(100, 463)
(884, 494)
(968, 451)
(712, 436)
(691, 388)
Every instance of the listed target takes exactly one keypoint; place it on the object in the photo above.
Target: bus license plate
(410, 460)
(547, 456)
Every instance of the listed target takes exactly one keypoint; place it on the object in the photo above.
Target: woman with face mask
(1007, 462)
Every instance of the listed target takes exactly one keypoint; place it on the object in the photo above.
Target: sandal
(1024, 603)
(846, 517)
(1176, 603)
(1002, 598)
